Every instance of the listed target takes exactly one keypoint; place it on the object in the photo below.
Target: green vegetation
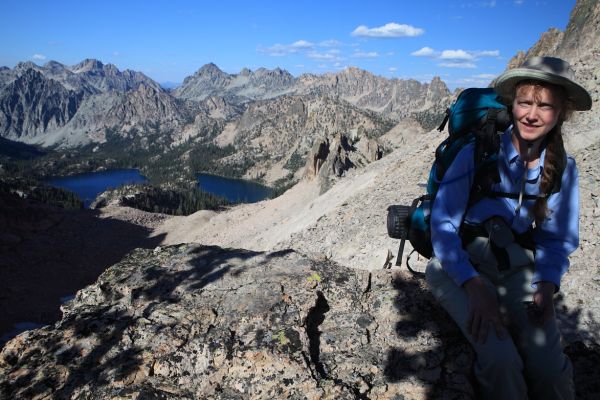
(295, 162)
(282, 185)
(314, 278)
(429, 119)
(280, 337)
(37, 192)
(173, 202)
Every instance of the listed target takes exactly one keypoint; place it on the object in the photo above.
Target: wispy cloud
(38, 57)
(484, 4)
(392, 69)
(363, 54)
(423, 52)
(455, 58)
(330, 55)
(285, 49)
(391, 30)
(480, 80)
(487, 53)
(458, 65)
(485, 76)
(330, 43)
(456, 55)
(519, 2)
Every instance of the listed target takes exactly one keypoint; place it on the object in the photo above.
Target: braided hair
(556, 155)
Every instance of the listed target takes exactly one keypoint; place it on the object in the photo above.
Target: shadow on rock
(581, 337)
(65, 252)
(436, 356)
(110, 335)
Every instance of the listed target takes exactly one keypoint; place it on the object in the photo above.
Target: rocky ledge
(193, 321)
(205, 322)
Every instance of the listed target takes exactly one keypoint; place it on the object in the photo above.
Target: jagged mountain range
(74, 105)
(270, 118)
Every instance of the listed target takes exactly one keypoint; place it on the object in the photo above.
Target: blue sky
(465, 42)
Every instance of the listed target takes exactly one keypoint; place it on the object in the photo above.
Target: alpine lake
(89, 185)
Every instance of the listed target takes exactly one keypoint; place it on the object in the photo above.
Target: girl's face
(536, 110)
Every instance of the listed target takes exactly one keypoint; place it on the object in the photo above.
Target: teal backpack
(477, 117)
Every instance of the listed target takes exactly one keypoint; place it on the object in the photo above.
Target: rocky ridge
(279, 147)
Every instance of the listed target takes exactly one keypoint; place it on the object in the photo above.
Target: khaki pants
(530, 363)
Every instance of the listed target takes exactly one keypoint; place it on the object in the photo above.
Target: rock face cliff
(33, 104)
(73, 106)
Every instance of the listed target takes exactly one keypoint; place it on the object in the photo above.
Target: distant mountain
(243, 87)
(32, 105)
(76, 105)
(265, 122)
(394, 98)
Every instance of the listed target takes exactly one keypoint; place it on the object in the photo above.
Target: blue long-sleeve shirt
(556, 238)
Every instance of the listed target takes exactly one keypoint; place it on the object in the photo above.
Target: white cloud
(485, 76)
(301, 44)
(388, 31)
(330, 55)
(519, 2)
(456, 55)
(467, 55)
(362, 54)
(487, 53)
(423, 52)
(320, 56)
(458, 65)
(392, 69)
(278, 49)
(330, 43)
(38, 57)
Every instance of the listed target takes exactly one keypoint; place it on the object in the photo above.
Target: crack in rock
(315, 317)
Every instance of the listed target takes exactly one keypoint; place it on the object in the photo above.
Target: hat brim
(505, 85)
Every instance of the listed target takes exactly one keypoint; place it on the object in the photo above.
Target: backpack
(475, 117)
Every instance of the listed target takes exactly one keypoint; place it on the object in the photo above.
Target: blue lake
(88, 186)
(234, 190)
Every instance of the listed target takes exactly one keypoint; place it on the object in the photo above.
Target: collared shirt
(556, 238)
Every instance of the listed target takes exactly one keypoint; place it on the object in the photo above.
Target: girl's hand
(483, 311)
(543, 300)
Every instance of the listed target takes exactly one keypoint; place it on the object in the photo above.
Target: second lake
(234, 190)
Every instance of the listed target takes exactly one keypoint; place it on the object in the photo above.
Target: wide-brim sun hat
(546, 69)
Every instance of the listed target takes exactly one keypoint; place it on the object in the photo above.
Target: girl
(498, 263)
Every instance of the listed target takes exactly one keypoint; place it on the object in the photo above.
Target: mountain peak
(87, 65)
(209, 69)
(53, 65)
